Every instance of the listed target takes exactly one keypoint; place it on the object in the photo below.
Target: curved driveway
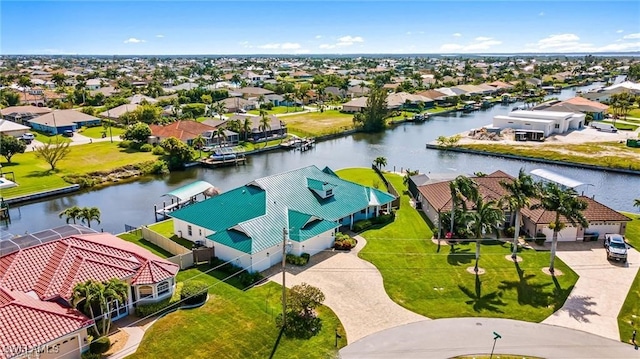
(354, 291)
(446, 338)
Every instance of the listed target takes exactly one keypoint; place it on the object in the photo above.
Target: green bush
(100, 345)
(158, 151)
(165, 305)
(509, 232)
(306, 256)
(344, 242)
(267, 106)
(146, 148)
(384, 219)
(193, 292)
(124, 144)
(90, 355)
(360, 226)
(296, 260)
(247, 279)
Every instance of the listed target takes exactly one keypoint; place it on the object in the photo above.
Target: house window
(363, 211)
(557, 125)
(163, 288)
(189, 231)
(329, 192)
(145, 291)
(200, 231)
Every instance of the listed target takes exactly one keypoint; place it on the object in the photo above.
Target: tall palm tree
(85, 293)
(115, 289)
(265, 125)
(94, 295)
(565, 203)
(380, 162)
(287, 99)
(220, 135)
(484, 219)
(519, 193)
(88, 214)
(461, 188)
(636, 202)
(72, 213)
(198, 143)
(246, 127)
(220, 108)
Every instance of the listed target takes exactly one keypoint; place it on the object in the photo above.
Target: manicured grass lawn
(634, 112)
(45, 137)
(362, 176)
(609, 154)
(249, 146)
(34, 174)
(136, 238)
(433, 281)
(96, 132)
(318, 123)
(438, 109)
(166, 229)
(234, 324)
(630, 311)
(278, 110)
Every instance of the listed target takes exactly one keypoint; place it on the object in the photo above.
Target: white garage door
(565, 235)
(602, 229)
(68, 349)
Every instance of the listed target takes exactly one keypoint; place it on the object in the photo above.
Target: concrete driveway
(353, 289)
(597, 297)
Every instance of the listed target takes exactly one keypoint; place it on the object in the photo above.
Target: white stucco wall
(236, 257)
(567, 234)
(181, 229)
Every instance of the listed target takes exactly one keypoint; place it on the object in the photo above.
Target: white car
(616, 247)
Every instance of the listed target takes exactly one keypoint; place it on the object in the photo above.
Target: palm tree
(85, 293)
(380, 162)
(115, 289)
(72, 213)
(265, 125)
(287, 99)
(565, 203)
(409, 173)
(246, 127)
(198, 143)
(58, 78)
(519, 192)
(96, 295)
(24, 82)
(88, 214)
(220, 135)
(636, 202)
(220, 108)
(484, 219)
(461, 188)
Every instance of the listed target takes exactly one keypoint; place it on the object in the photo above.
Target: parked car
(27, 138)
(616, 247)
(68, 133)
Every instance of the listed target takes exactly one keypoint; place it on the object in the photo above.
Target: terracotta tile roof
(595, 212)
(28, 322)
(183, 130)
(153, 272)
(586, 104)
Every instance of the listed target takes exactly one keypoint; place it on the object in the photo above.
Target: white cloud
(559, 41)
(457, 34)
(625, 46)
(245, 44)
(343, 41)
(480, 43)
(160, 36)
(408, 32)
(482, 38)
(327, 46)
(541, 13)
(283, 46)
(133, 40)
(572, 43)
(318, 36)
(632, 36)
(620, 31)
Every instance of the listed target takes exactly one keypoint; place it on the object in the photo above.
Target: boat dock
(184, 196)
(302, 144)
(213, 163)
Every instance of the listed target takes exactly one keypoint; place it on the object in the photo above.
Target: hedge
(165, 305)
(364, 224)
(344, 242)
(100, 345)
(194, 292)
(297, 260)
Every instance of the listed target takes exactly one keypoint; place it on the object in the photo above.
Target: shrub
(297, 260)
(267, 106)
(90, 355)
(306, 256)
(158, 151)
(146, 148)
(509, 232)
(344, 242)
(100, 345)
(540, 238)
(194, 292)
(247, 279)
(383, 219)
(360, 226)
(124, 144)
(165, 305)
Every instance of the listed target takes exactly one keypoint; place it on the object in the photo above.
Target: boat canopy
(557, 178)
(191, 190)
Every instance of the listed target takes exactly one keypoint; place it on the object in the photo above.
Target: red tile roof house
(187, 130)
(435, 198)
(36, 285)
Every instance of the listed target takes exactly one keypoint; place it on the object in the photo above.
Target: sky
(312, 27)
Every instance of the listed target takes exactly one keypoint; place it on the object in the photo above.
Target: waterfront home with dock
(537, 123)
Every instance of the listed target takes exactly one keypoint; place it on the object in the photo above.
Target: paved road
(597, 297)
(354, 291)
(446, 338)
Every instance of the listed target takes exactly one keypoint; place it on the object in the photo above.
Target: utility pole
(284, 288)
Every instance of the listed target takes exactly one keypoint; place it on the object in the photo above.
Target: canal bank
(532, 159)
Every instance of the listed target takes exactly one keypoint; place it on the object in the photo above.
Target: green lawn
(630, 311)
(634, 113)
(607, 154)
(34, 175)
(96, 132)
(434, 281)
(45, 137)
(234, 324)
(250, 146)
(278, 110)
(318, 123)
(166, 229)
(136, 238)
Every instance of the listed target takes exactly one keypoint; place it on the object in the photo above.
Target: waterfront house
(248, 92)
(357, 104)
(60, 121)
(245, 225)
(39, 271)
(276, 129)
(540, 123)
(116, 112)
(404, 100)
(576, 104)
(435, 198)
(187, 130)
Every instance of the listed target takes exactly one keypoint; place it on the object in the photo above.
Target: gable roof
(62, 118)
(25, 109)
(256, 213)
(6, 126)
(183, 130)
(118, 111)
(595, 212)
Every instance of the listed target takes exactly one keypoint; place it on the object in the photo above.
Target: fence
(183, 260)
(390, 187)
(163, 242)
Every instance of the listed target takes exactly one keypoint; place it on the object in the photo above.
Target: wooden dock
(210, 162)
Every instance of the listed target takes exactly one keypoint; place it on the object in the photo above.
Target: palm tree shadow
(458, 257)
(577, 306)
(479, 302)
(532, 294)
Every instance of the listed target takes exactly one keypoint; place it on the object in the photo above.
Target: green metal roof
(251, 218)
(319, 185)
(190, 190)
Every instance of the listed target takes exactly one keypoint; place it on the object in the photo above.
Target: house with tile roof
(245, 225)
(575, 104)
(60, 121)
(435, 199)
(39, 271)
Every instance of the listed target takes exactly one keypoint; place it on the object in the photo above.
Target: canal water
(403, 146)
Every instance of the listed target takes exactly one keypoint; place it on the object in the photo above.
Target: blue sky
(309, 27)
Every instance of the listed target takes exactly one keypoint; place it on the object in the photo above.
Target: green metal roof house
(245, 224)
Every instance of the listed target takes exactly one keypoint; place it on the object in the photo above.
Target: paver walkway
(597, 297)
(353, 289)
